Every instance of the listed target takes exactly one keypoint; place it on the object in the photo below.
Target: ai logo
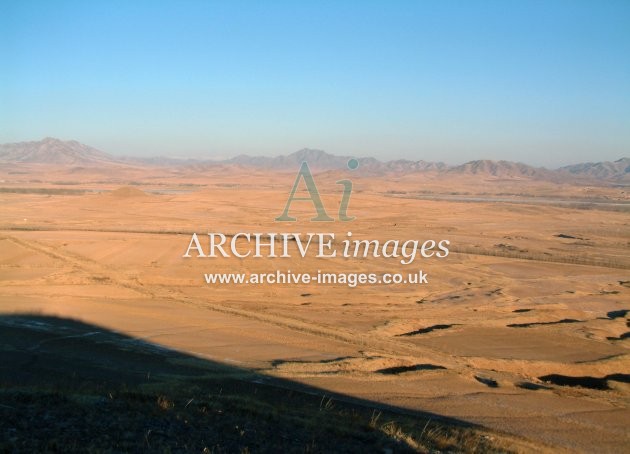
(305, 174)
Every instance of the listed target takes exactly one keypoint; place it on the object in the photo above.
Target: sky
(541, 82)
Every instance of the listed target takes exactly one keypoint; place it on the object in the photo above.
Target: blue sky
(543, 82)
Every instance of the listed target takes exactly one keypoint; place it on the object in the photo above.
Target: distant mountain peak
(318, 159)
(501, 169)
(51, 150)
(619, 169)
(310, 153)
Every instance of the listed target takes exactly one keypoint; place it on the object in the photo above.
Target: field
(519, 340)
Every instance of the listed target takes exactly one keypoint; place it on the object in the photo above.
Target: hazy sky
(543, 82)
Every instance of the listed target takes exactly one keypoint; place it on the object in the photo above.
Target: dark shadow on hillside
(70, 386)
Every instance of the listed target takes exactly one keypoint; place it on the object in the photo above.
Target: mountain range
(73, 153)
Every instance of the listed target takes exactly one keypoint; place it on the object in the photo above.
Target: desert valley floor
(523, 328)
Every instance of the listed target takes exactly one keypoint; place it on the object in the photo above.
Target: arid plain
(523, 328)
